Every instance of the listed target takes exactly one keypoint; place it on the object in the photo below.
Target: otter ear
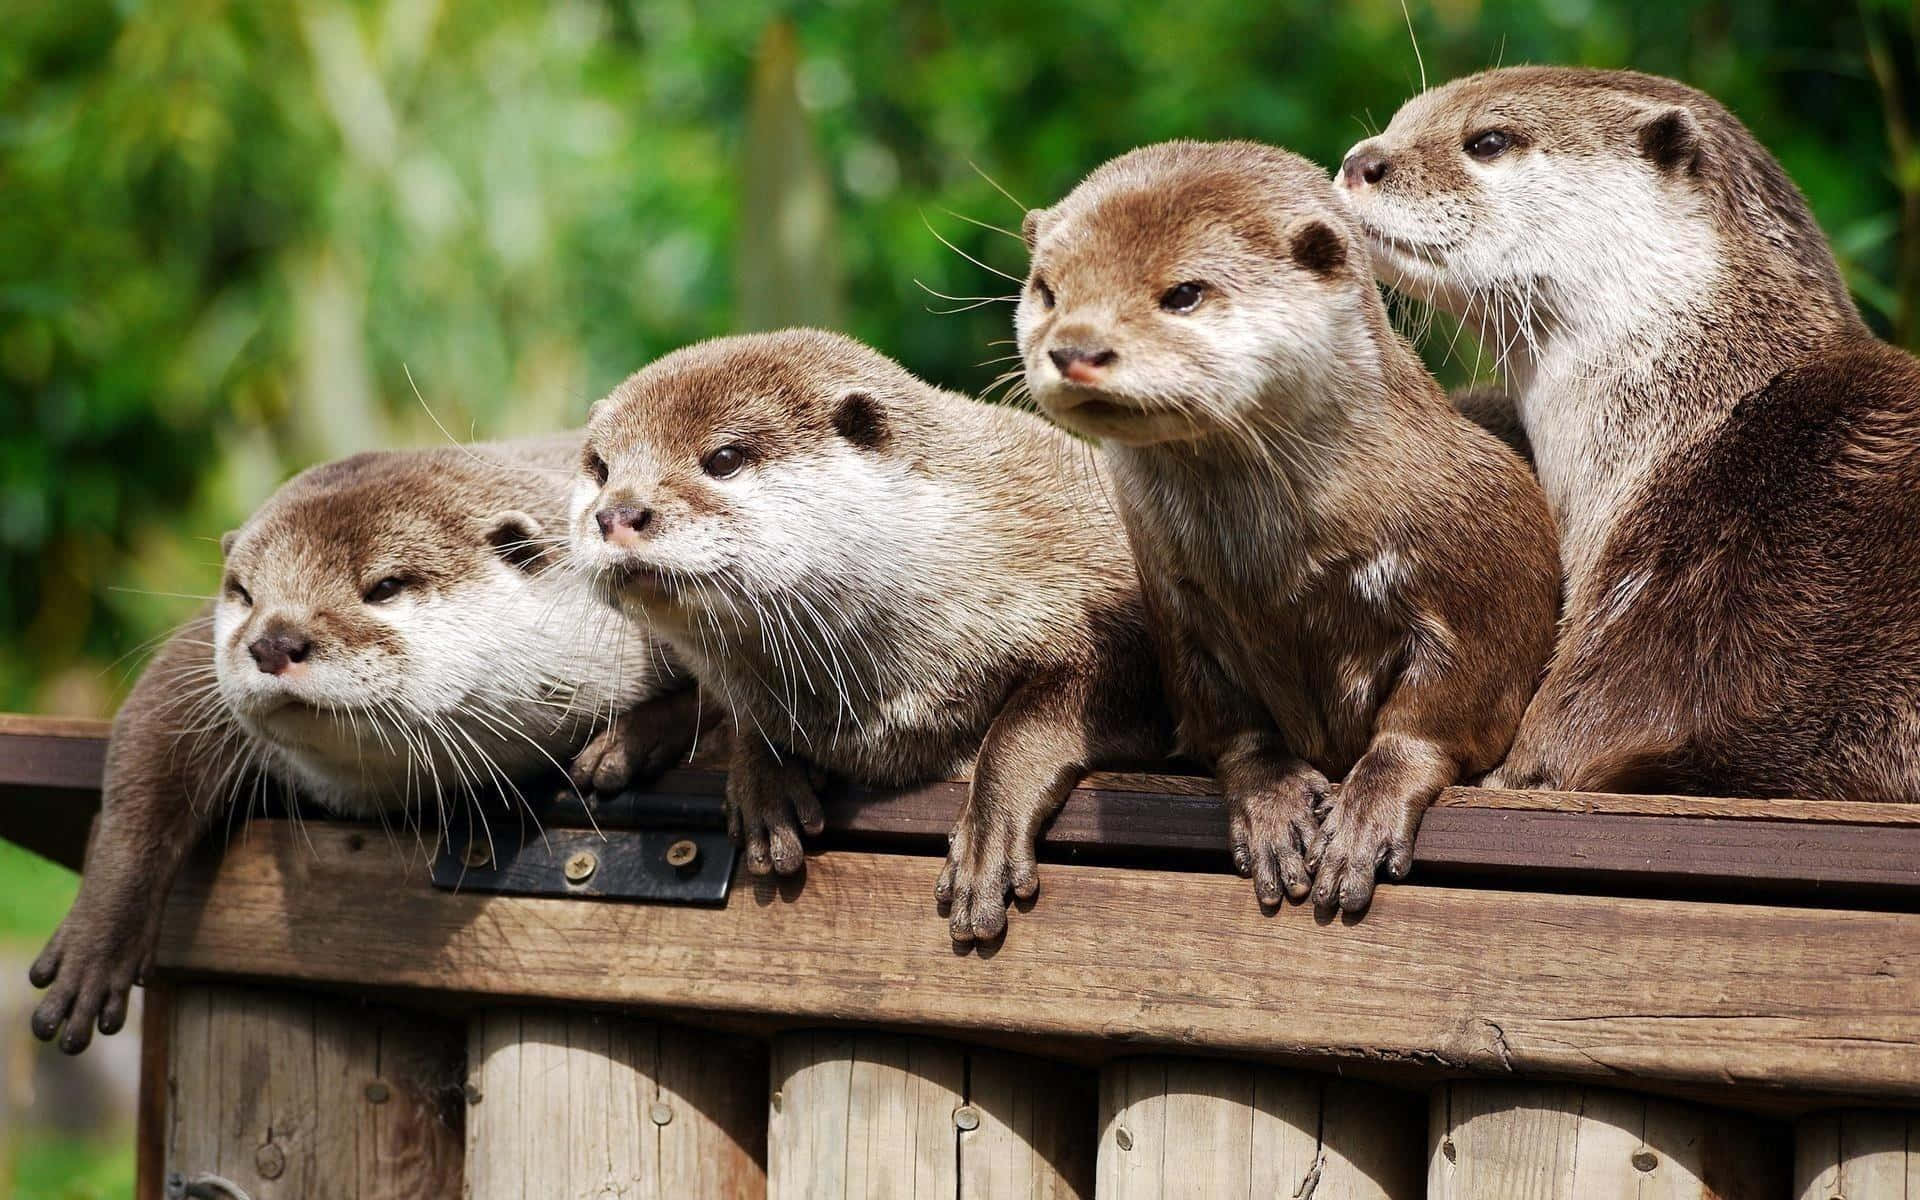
(227, 540)
(1670, 139)
(1030, 226)
(1317, 246)
(860, 420)
(514, 537)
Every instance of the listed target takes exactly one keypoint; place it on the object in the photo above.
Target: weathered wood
(1813, 1000)
(150, 1117)
(577, 1105)
(1493, 1141)
(1857, 1155)
(291, 1095)
(858, 1114)
(1214, 1130)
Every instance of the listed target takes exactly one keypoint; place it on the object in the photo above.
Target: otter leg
(1376, 815)
(1271, 797)
(1046, 738)
(642, 742)
(770, 799)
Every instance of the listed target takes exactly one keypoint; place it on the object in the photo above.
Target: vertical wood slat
(575, 1105)
(1493, 1141)
(300, 1096)
(1178, 1127)
(1857, 1155)
(857, 1114)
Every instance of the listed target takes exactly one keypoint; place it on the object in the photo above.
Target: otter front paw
(638, 745)
(985, 861)
(1355, 842)
(1272, 826)
(767, 807)
(88, 967)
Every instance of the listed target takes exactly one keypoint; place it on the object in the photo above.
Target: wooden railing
(1649, 985)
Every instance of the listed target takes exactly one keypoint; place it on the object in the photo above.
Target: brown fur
(1743, 596)
(896, 580)
(1346, 577)
(179, 759)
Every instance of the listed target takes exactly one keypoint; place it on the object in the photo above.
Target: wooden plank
(289, 1095)
(1753, 996)
(1204, 1128)
(1496, 1141)
(571, 1103)
(859, 1114)
(1857, 1155)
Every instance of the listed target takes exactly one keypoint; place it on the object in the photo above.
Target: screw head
(683, 854)
(966, 1117)
(778, 1101)
(581, 866)
(1645, 1160)
(477, 853)
(1123, 1138)
(378, 1092)
(661, 1112)
(270, 1160)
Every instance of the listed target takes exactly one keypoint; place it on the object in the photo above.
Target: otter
(879, 580)
(395, 632)
(1345, 576)
(1733, 459)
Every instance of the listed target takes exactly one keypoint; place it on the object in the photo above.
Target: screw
(471, 1091)
(1447, 1148)
(1645, 1160)
(581, 866)
(966, 1117)
(778, 1100)
(477, 854)
(270, 1161)
(660, 1112)
(1123, 1138)
(377, 1092)
(683, 854)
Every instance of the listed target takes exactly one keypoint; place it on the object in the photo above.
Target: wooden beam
(50, 783)
(1730, 996)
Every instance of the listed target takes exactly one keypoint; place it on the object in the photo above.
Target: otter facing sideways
(394, 633)
(1345, 576)
(1733, 459)
(879, 579)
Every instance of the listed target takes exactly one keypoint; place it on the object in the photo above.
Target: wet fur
(1733, 458)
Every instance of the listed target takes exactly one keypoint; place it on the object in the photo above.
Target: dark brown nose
(622, 524)
(275, 652)
(1365, 166)
(1080, 365)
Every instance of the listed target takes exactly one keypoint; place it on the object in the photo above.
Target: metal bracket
(663, 846)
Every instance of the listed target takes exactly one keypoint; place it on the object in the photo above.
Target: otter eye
(1490, 144)
(235, 591)
(385, 590)
(725, 461)
(597, 467)
(1183, 297)
(1041, 290)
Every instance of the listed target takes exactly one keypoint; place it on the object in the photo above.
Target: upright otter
(1345, 576)
(1733, 459)
(877, 578)
(392, 631)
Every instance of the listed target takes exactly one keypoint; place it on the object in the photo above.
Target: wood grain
(580, 1105)
(1494, 1141)
(859, 1114)
(1750, 996)
(1204, 1129)
(298, 1096)
(1857, 1155)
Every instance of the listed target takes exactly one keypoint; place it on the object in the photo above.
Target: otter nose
(622, 523)
(1365, 166)
(273, 653)
(1081, 366)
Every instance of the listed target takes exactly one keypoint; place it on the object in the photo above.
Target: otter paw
(1354, 845)
(635, 748)
(86, 989)
(984, 864)
(765, 815)
(1272, 829)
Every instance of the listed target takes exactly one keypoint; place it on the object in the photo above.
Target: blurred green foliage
(237, 235)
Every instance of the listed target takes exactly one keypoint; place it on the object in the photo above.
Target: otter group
(1676, 549)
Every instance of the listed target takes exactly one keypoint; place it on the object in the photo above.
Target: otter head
(1591, 193)
(1187, 289)
(357, 614)
(741, 467)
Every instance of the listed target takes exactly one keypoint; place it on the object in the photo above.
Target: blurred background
(238, 238)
